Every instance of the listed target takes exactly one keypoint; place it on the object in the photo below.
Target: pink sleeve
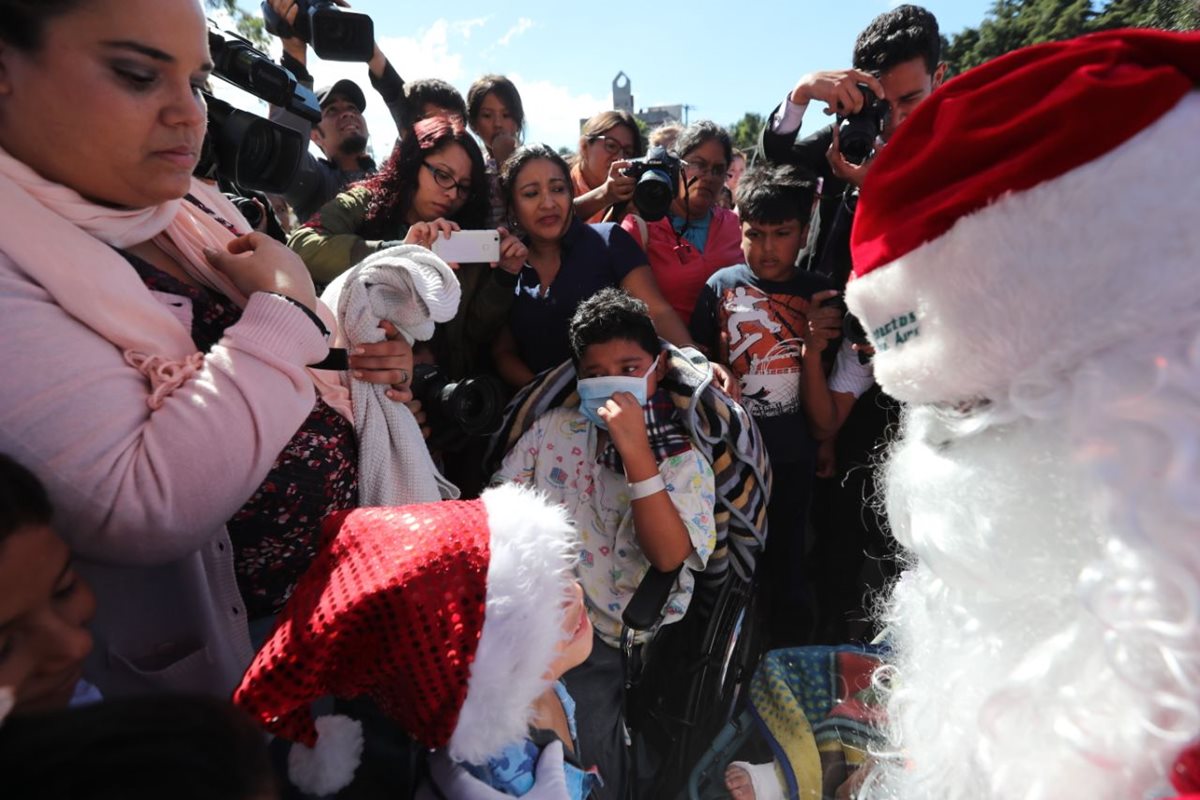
(133, 487)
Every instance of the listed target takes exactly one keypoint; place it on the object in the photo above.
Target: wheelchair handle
(645, 607)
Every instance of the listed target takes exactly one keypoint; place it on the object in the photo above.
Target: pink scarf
(64, 243)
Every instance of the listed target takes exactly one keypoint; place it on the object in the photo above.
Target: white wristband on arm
(652, 485)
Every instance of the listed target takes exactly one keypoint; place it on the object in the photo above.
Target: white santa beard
(1046, 635)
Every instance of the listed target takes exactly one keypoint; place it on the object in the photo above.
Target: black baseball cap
(346, 88)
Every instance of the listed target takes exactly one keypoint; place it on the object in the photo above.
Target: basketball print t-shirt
(764, 323)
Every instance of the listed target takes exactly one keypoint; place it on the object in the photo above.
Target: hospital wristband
(645, 488)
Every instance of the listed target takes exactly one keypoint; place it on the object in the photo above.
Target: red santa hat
(447, 615)
(1033, 210)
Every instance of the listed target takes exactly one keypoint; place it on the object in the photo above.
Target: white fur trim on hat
(533, 545)
(1042, 277)
(329, 766)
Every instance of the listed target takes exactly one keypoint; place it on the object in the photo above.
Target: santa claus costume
(1027, 261)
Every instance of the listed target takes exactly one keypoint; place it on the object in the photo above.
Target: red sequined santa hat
(447, 615)
(1036, 209)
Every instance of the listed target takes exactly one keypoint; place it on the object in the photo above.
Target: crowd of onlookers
(188, 441)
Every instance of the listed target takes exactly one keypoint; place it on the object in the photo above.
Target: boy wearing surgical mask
(639, 494)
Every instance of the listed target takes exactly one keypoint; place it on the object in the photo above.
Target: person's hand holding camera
(294, 46)
(255, 262)
(837, 88)
(618, 187)
(824, 323)
(513, 252)
(854, 174)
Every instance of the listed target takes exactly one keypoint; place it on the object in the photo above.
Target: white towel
(413, 289)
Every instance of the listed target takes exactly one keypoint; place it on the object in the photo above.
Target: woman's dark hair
(902, 34)
(511, 169)
(612, 314)
(136, 748)
(504, 89)
(394, 186)
(22, 22)
(607, 120)
(436, 91)
(23, 499)
(700, 132)
(774, 194)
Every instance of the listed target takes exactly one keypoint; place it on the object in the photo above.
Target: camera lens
(475, 404)
(653, 194)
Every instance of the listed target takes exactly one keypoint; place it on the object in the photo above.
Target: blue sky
(723, 59)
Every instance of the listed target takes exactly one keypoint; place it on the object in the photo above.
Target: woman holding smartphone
(433, 184)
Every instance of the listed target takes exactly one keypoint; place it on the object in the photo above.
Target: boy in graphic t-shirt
(770, 322)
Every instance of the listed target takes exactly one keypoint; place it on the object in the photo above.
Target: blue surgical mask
(595, 392)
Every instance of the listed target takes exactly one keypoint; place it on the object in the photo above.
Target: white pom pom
(329, 766)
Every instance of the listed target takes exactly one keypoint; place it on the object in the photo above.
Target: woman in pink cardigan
(156, 353)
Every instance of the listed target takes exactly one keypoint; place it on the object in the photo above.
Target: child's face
(43, 610)
(576, 644)
(619, 357)
(771, 248)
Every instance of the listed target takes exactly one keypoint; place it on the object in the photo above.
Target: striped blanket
(718, 427)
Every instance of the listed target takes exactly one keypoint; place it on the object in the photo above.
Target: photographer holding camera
(686, 235)
(342, 133)
(896, 66)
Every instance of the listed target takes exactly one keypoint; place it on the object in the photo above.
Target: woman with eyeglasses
(697, 237)
(433, 183)
(602, 190)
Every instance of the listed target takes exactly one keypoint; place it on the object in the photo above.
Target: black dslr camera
(335, 33)
(657, 175)
(244, 149)
(459, 410)
(858, 132)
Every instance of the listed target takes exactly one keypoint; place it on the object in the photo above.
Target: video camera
(657, 175)
(457, 410)
(335, 33)
(858, 132)
(245, 149)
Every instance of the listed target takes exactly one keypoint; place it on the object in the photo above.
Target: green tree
(1175, 15)
(1012, 24)
(746, 130)
(643, 128)
(249, 25)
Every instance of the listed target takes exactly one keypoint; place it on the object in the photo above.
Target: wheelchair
(685, 684)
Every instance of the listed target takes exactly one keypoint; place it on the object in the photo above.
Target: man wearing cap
(342, 133)
(1025, 260)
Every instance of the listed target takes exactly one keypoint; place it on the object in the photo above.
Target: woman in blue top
(569, 261)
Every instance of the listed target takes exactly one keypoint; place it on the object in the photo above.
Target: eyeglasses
(446, 180)
(697, 169)
(612, 146)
